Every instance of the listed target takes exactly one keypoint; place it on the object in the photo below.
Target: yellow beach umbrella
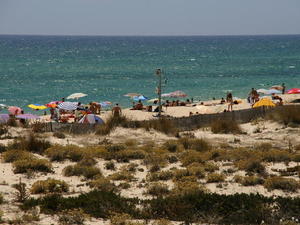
(264, 102)
(37, 106)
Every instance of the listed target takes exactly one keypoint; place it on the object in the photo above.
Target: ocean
(40, 69)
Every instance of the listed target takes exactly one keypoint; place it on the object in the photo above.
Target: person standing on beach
(116, 111)
(283, 88)
(229, 100)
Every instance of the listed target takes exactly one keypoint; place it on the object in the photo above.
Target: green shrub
(200, 145)
(89, 172)
(33, 164)
(157, 189)
(127, 155)
(215, 178)
(192, 156)
(14, 155)
(186, 188)
(285, 184)
(49, 186)
(225, 127)
(103, 184)
(3, 129)
(196, 170)
(115, 148)
(156, 157)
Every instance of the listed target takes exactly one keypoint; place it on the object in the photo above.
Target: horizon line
(149, 35)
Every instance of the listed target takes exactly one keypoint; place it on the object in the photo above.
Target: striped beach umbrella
(68, 106)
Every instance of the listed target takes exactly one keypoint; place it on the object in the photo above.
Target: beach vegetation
(162, 222)
(72, 217)
(126, 155)
(160, 176)
(3, 129)
(192, 156)
(286, 115)
(110, 165)
(182, 188)
(14, 155)
(103, 184)
(249, 180)
(285, 184)
(215, 178)
(122, 175)
(21, 194)
(223, 126)
(157, 189)
(30, 143)
(171, 146)
(32, 164)
(1, 198)
(59, 135)
(31, 216)
(12, 122)
(61, 153)
(38, 127)
(49, 186)
(266, 146)
(88, 172)
(251, 166)
(276, 155)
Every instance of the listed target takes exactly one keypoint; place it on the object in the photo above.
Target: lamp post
(158, 73)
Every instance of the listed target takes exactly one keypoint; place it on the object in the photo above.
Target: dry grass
(89, 172)
(287, 115)
(158, 189)
(103, 184)
(215, 178)
(32, 164)
(249, 180)
(225, 127)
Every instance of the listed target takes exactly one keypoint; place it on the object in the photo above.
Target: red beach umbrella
(294, 91)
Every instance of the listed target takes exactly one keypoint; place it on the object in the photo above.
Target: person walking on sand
(116, 111)
(229, 100)
(283, 88)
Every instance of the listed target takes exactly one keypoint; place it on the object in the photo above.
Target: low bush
(285, 184)
(49, 186)
(1, 198)
(32, 164)
(276, 156)
(196, 170)
(162, 124)
(264, 146)
(182, 188)
(225, 127)
(72, 217)
(285, 115)
(215, 178)
(122, 175)
(59, 135)
(192, 156)
(96, 203)
(61, 153)
(14, 155)
(157, 189)
(103, 184)
(3, 129)
(89, 172)
(127, 155)
(111, 123)
(249, 180)
(110, 165)
(156, 157)
(30, 143)
(201, 145)
(251, 166)
(171, 146)
(160, 176)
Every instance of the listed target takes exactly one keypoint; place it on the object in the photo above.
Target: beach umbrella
(140, 97)
(264, 102)
(4, 118)
(27, 116)
(14, 110)
(294, 91)
(37, 106)
(76, 96)
(68, 106)
(132, 95)
(153, 100)
(268, 92)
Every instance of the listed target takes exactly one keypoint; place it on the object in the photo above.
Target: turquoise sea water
(39, 69)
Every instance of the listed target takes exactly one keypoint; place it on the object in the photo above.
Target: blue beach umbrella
(141, 97)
